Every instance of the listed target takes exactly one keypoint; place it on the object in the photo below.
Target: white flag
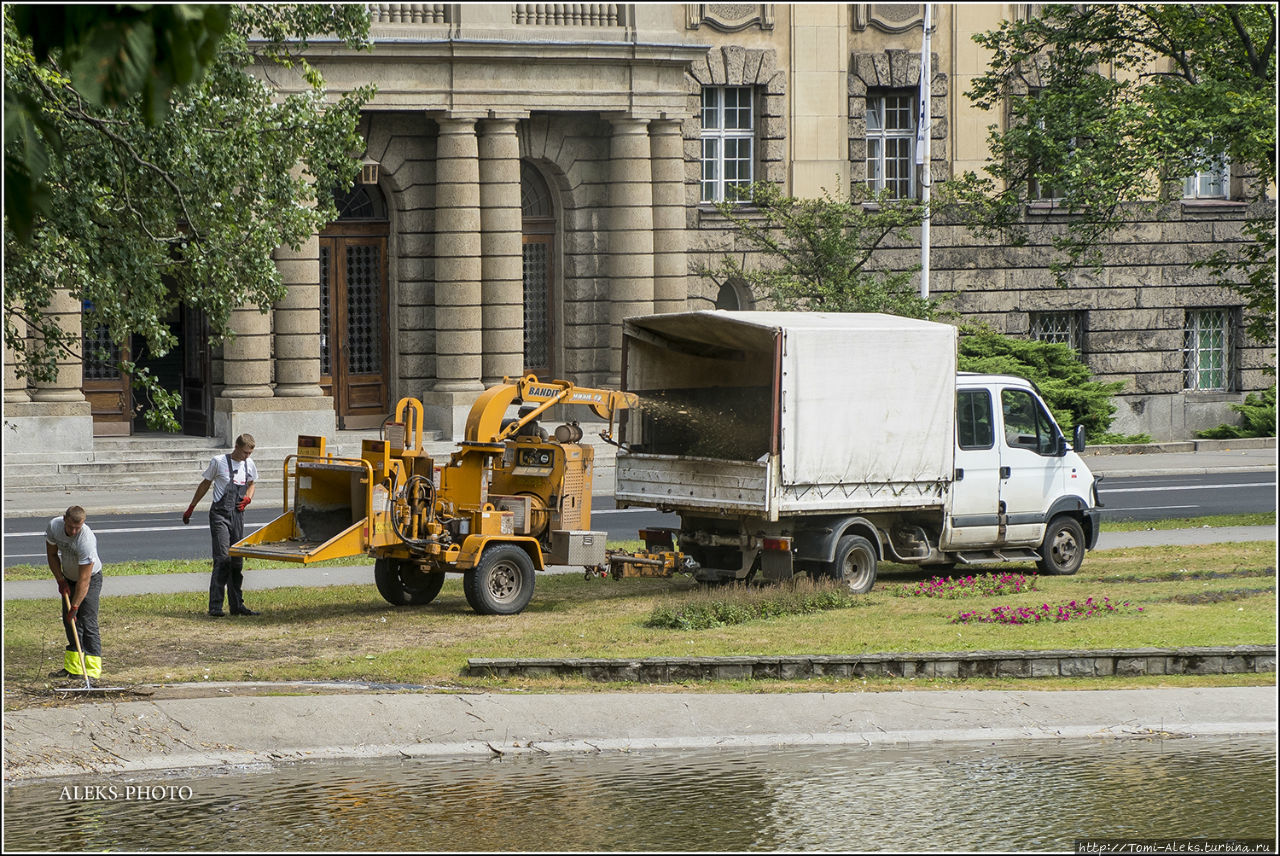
(923, 122)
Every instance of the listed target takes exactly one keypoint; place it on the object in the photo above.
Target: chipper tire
(854, 564)
(502, 584)
(402, 584)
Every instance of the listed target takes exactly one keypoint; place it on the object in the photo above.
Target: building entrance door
(353, 322)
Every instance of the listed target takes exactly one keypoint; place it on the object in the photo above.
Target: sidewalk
(349, 575)
(1154, 460)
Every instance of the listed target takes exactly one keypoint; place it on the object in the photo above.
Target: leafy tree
(816, 254)
(1063, 379)
(110, 54)
(1112, 105)
(186, 209)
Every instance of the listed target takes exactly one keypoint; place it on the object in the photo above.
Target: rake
(88, 688)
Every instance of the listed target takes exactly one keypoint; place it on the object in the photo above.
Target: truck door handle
(960, 474)
(1005, 472)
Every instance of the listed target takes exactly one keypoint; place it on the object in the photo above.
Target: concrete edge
(251, 760)
(237, 732)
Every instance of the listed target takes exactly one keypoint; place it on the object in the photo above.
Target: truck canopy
(834, 404)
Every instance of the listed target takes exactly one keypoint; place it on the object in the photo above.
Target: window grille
(1063, 327)
(1206, 350)
(1212, 182)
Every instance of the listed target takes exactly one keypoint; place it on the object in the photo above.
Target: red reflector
(777, 543)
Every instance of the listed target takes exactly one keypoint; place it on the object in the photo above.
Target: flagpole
(924, 135)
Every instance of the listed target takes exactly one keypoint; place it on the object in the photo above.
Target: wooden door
(353, 323)
(106, 387)
(197, 390)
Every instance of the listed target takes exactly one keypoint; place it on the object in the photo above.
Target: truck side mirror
(1078, 444)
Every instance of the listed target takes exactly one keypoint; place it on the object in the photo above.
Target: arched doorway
(354, 309)
(539, 231)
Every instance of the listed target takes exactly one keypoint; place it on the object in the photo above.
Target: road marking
(1144, 507)
(248, 528)
(1103, 489)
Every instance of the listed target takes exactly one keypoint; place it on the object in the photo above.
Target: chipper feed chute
(330, 517)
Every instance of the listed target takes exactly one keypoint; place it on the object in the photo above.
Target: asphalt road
(135, 536)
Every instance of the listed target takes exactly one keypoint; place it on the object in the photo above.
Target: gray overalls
(226, 524)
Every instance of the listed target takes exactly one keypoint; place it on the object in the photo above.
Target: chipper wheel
(502, 584)
(403, 584)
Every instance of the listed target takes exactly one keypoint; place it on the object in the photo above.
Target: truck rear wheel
(502, 584)
(401, 583)
(1062, 552)
(855, 564)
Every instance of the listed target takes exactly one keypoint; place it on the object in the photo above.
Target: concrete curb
(189, 734)
(1220, 660)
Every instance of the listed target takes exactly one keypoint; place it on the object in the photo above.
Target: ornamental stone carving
(729, 17)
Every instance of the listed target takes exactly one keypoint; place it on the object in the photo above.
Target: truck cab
(1018, 482)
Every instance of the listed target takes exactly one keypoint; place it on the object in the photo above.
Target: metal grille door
(537, 303)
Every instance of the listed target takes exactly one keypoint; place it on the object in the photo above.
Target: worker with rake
(72, 551)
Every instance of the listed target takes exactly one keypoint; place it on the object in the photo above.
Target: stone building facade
(536, 173)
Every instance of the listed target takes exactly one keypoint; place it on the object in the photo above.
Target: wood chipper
(508, 502)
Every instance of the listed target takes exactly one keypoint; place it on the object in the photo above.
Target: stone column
(458, 322)
(670, 240)
(246, 357)
(15, 388)
(501, 251)
(297, 321)
(53, 418)
(298, 406)
(630, 232)
(64, 311)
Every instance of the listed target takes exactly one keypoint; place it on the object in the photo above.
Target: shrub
(735, 604)
(1063, 379)
(1259, 418)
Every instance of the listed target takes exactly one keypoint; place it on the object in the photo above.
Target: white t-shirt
(74, 551)
(241, 472)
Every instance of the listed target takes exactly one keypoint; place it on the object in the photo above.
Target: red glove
(64, 587)
(242, 504)
(71, 614)
(186, 515)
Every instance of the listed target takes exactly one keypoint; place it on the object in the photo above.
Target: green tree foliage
(152, 209)
(110, 53)
(1063, 379)
(816, 254)
(1258, 418)
(1112, 105)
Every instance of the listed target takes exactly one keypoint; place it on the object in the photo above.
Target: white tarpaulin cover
(866, 399)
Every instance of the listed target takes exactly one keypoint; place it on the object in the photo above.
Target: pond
(1033, 795)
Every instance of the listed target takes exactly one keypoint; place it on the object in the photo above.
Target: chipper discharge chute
(508, 501)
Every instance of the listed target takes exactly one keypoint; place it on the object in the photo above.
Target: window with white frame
(728, 142)
(1211, 182)
(1206, 350)
(1064, 327)
(891, 143)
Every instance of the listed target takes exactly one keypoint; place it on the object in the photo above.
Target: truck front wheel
(502, 584)
(402, 584)
(1063, 549)
(855, 564)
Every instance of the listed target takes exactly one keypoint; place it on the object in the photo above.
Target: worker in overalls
(232, 477)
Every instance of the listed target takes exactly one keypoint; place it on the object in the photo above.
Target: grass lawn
(1219, 594)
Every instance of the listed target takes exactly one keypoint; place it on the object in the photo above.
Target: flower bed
(1071, 611)
(985, 585)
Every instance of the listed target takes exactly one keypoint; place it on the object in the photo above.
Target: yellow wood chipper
(509, 501)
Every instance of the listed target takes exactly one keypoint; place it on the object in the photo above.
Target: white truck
(826, 442)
